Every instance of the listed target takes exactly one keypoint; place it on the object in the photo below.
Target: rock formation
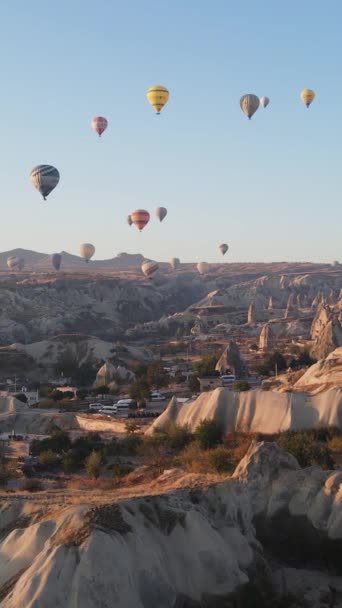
(232, 360)
(266, 338)
(329, 338)
(184, 547)
(251, 317)
(109, 373)
(259, 411)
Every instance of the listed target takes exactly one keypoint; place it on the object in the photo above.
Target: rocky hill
(272, 526)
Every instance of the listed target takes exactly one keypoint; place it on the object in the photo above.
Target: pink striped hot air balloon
(99, 124)
(140, 218)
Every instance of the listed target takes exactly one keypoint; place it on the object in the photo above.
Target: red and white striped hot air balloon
(140, 218)
(148, 267)
(99, 124)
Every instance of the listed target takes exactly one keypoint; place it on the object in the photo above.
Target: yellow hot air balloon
(203, 267)
(87, 251)
(249, 104)
(307, 96)
(158, 97)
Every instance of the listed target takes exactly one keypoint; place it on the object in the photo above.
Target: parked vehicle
(157, 396)
(228, 379)
(95, 406)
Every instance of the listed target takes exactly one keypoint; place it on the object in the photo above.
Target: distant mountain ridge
(37, 261)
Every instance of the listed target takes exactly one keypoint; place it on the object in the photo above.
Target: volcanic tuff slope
(163, 550)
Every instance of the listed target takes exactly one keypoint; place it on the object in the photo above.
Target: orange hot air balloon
(140, 218)
(99, 124)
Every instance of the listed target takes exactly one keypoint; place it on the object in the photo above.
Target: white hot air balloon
(175, 263)
(203, 267)
(87, 251)
(15, 262)
(148, 267)
(264, 101)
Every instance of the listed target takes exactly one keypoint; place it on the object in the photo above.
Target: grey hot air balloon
(148, 267)
(87, 251)
(249, 104)
(44, 178)
(223, 248)
(161, 213)
(175, 263)
(129, 220)
(264, 101)
(15, 262)
(203, 267)
(56, 260)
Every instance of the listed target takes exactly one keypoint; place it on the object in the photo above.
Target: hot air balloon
(175, 263)
(87, 251)
(223, 248)
(203, 267)
(15, 262)
(140, 218)
(264, 101)
(129, 220)
(158, 97)
(249, 104)
(99, 124)
(56, 260)
(148, 267)
(161, 213)
(44, 178)
(307, 96)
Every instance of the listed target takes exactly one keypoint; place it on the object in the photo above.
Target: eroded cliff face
(185, 547)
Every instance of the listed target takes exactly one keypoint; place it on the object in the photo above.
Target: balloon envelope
(157, 97)
(140, 217)
(56, 260)
(161, 213)
(44, 178)
(149, 267)
(15, 262)
(99, 124)
(249, 104)
(223, 248)
(87, 251)
(203, 267)
(264, 101)
(307, 96)
(175, 263)
(129, 220)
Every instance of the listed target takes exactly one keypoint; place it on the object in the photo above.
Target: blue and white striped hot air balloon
(44, 178)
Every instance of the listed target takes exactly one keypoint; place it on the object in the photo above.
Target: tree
(48, 459)
(131, 427)
(93, 464)
(101, 390)
(209, 433)
(274, 360)
(57, 395)
(177, 436)
(241, 385)
(82, 393)
(140, 390)
(206, 366)
(21, 397)
(179, 378)
(157, 376)
(193, 384)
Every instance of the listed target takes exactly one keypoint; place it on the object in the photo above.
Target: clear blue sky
(270, 187)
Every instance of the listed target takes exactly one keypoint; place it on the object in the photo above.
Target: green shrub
(209, 433)
(120, 470)
(335, 444)
(4, 476)
(306, 450)
(32, 485)
(241, 385)
(220, 460)
(176, 435)
(48, 459)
